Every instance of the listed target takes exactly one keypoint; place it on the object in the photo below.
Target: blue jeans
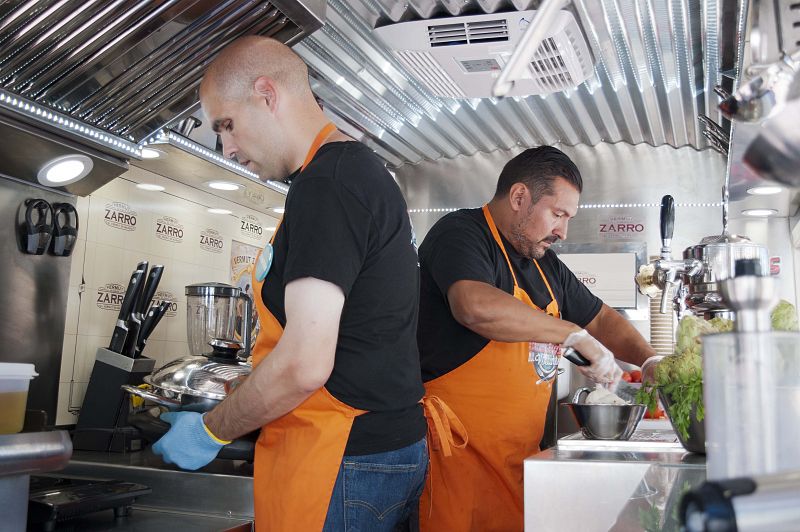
(377, 492)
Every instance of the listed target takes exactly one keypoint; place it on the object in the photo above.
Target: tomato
(626, 376)
(636, 376)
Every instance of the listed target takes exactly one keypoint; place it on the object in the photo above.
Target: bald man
(336, 387)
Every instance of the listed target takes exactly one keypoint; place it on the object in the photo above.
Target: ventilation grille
(427, 70)
(447, 34)
(552, 72)
(469, 33)
(487, 31)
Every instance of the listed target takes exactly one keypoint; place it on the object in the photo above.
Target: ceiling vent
(461, 57)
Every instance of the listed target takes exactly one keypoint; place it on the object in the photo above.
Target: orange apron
(298, 456)
(501, 396)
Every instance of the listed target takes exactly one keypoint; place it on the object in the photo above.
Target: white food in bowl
(601, 396)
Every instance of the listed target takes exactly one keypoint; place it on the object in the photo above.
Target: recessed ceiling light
(223, 185)
(760, 213)
(65, 170)
(765, 190)
(152, 153)
(219, 211)
(279, 210)
(150, 186)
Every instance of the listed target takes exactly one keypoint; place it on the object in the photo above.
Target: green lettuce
(680, 376)
(784, 317)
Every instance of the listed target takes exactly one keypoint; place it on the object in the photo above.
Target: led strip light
(585, 206)
(48, 116)
(162, 137)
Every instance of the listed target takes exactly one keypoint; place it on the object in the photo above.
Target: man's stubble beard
(525, 247)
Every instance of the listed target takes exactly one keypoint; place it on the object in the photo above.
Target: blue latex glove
(188, 444)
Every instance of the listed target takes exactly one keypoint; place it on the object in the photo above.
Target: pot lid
(726, 239)
(198, 376)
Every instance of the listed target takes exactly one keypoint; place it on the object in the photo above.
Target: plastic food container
(14, 381)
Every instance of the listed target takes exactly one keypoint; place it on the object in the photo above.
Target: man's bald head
(232, 74)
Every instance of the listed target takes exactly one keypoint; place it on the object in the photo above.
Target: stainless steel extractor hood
(182, 159)
(107, 74)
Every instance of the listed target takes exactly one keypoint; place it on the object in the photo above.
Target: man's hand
(649, 368)
(603, 368)
(188, 444)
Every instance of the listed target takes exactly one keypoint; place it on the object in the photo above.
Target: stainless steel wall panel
(130, 67)
(33, 302)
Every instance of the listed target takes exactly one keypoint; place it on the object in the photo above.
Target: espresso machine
(692, 282)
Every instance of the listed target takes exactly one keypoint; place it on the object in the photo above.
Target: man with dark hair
(335, 387)
(496, 306)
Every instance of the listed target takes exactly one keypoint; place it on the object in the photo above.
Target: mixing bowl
(605, 422)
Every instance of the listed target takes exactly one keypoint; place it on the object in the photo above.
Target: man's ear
(517, 196)
(265, 88)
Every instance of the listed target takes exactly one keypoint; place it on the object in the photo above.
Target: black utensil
(153, 278)
(121, 330)
(64, 234)
(149, 324)
(35, 235)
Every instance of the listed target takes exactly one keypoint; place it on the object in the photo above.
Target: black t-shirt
(460, 247)
(347, 223)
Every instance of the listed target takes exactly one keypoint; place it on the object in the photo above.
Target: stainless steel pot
(194, 383)
(605, 422)
(718, 255)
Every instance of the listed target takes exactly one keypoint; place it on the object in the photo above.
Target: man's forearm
(496, 315)
(270, 392)
(620, 337)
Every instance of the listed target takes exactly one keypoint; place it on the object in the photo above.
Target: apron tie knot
(445, 430)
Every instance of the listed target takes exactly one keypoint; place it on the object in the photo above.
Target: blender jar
(217, 311)
(751, 389)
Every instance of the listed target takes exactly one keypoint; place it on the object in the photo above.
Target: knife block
(102, 422)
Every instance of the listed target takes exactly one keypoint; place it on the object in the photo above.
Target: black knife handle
(575, 357)
(129, 348)
(667, 217)
(118, 338)
(130, 294)
(153, 278)
(153, 318)
(140, 292)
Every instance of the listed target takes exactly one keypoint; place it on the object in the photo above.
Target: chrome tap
(667, 268)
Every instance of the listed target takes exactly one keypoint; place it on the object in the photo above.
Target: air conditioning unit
(460, 57)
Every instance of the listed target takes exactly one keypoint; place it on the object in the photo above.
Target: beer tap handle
(667, 225)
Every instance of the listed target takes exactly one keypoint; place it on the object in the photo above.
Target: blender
(218, 313)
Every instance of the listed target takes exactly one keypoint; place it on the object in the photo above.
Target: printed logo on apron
(544, 358)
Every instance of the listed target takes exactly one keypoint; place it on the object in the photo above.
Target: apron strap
(552, 307)
(445, 430)
(496, 235)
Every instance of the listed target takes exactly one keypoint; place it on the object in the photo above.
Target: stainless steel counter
(218, 497)
(631, 488)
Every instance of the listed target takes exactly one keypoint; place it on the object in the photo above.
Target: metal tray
(643, 439)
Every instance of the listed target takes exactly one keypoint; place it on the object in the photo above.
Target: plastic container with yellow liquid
(14, 381)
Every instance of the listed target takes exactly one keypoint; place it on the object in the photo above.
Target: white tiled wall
(105, 254)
